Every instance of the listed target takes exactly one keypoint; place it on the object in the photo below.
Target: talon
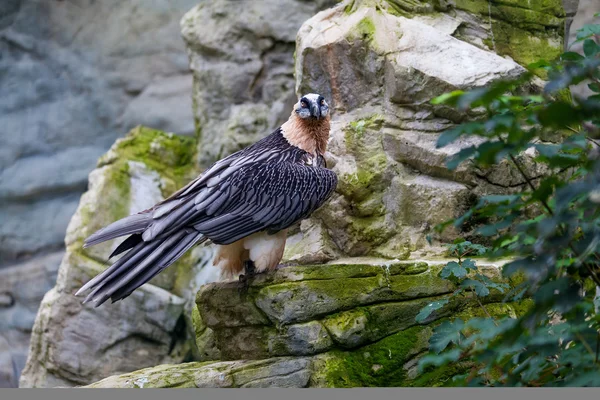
(249, 269)
(245, 278)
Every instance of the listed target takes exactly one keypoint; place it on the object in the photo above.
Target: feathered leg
(246, 277)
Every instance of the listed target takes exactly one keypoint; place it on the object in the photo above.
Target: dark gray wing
(178, 209)
(261, 196)
(267, 186)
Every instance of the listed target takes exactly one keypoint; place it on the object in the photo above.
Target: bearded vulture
(244, 203)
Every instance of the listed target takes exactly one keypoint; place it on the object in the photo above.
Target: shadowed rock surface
(75, 76)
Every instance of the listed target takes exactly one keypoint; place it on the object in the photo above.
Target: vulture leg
(246, 277)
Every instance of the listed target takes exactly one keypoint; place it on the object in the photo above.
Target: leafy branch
(549, 226)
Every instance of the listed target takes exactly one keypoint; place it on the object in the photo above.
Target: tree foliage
(549, 227)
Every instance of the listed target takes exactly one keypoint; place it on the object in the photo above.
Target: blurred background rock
(76, 75)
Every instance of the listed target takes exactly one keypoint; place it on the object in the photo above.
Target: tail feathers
(127, 244)
(135, 223)
(144, 261)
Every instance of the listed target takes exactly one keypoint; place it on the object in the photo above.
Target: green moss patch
(377, 365)
(172, 156)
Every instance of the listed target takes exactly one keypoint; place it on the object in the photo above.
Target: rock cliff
(340, 319)
(341, 325)
(74, 344)
(380, 63)
(76, 75)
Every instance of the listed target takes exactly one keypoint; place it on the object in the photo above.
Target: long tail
(143, 261)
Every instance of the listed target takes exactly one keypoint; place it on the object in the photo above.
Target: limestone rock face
(22, 288)
(340, 325)
(242, 63)
(379, 63)
(75, 76)
(74, 344)
(277, 372)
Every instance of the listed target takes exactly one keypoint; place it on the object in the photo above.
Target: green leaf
(448, 137)
(469, 264)
(590, 48)
(428, 309)
(447, 332)
(586, 31)
(499, 198)
(453, 268)
(594, 87)
(480, 289)
(539, 64)
(448, 98)
(438, 360)
(501, 287)
(548, 150)
(492, 229)
(464, 154)
(558, 114)
(571, 56)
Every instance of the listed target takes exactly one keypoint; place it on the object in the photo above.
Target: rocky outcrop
(75, 76)
(74, 344)
(380, 63)
(155, 95)
(22, 288)
(243, 66)
(585, 15)
(343, 325)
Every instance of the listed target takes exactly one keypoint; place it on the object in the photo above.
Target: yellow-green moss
(408, 8)
(373, 230)
(348, 9)
(356, 129)
(115, 200)
(376, 365)
(172, 156)
(161, 376)
(370, 158)
(365, 30)
(523, 46)
(441, 376)
(525, 32)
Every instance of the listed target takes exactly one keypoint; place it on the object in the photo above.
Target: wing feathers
(135, 223)
(265, 187)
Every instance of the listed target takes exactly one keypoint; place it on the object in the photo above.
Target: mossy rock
(389, 362)
(309, 310)
(139, 170)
